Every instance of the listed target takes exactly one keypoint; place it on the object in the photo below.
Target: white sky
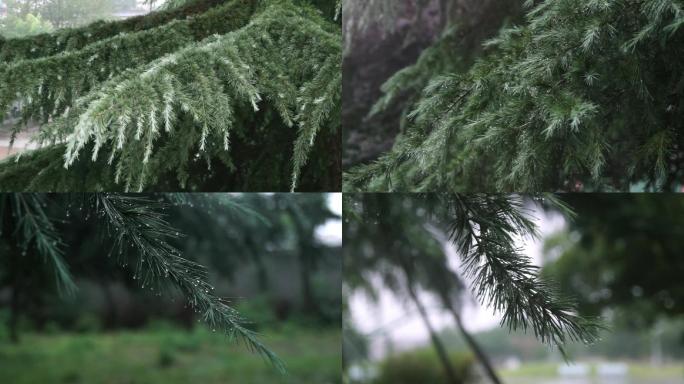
(331, 232)
(407, 330)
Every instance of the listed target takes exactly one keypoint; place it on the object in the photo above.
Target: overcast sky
(331, 232)
(407, 330)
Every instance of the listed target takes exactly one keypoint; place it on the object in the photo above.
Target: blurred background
(274, 257)
(620, 258)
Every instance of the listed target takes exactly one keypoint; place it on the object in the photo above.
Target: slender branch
(139, 226)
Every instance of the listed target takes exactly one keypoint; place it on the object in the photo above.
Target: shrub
(88, 323)
(166, 357)
(423, 366)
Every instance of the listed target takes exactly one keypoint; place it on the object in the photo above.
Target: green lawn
(168, 357)
(637, 370)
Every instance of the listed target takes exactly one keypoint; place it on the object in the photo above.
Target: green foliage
(47, 173)
(43, 169)
(278, 73)
(142, 238)
(585, 95)
(405, 86)
(15, 26)
(622, 253)
(48, 86)
(73, 12)
(35, 230)
(139, 227)
(206, 82)
(422, 366)
(199, 356)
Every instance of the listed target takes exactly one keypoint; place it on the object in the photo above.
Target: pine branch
(283, 56)
(390, 232)
(583, 95)
(164, 119)
(35, 228)
(484, 229)
(48, 86)
(139, 226)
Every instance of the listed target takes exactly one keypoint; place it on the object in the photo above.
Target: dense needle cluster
(584, 95)
(144, 106)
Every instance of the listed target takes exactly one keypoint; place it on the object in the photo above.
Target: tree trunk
(436, 342)
(15, 273)
(262, 272)
(111, 313)
(306, 270)
(14, 308)
(472, 344)
(307, 292)
(8, 229)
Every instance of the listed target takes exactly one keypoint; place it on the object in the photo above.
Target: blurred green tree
(62, 13)
(622, 252)
(29, 24)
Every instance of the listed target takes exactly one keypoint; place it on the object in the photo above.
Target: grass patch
(532, 370)
(169, 356)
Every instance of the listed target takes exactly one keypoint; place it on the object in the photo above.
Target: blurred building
(125, 14)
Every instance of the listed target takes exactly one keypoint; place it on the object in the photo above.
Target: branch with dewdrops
(140, 227)
(35, 229)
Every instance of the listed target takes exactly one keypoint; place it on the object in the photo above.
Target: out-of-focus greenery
(168, 355)
(262, 256)
(261, 251)
(622, 253)
(615, 343)
(637, 370)
(422, 366)
(24, 25)
(69, 13)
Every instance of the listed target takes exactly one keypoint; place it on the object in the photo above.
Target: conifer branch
(36, 229)
(139, 227)
(208, 82)
(147, 117)
(48, 86)
(484, 229)
(386, 232)
(583, 95)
